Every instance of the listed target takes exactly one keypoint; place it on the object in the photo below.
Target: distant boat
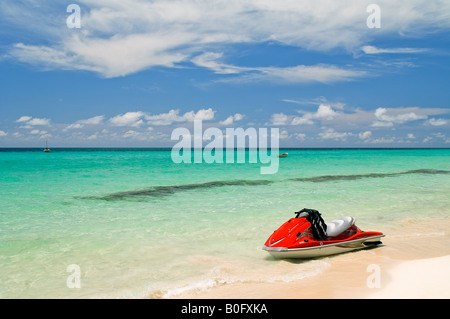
(282, 155)
(46, 149)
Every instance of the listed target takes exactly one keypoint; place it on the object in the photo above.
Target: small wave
(328, 178)
(160, 191)
(220, 276)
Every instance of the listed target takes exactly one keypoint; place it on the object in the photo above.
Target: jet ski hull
(323, 248)
(299, 238)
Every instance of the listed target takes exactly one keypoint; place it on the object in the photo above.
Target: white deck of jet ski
(338, 226)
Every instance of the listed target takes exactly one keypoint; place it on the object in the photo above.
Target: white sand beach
(423, 278)
(413, 263)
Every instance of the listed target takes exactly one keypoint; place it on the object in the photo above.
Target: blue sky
(135, 70)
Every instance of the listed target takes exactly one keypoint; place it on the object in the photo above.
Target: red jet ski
(308, 236)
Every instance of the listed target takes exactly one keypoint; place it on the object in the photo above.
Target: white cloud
(324, 112)
(117, 56)
(93, 120)
(365, 135)
(383, 140)
(24, 119)
(382, 124)
(368, 49)
(121, 37)
(209, 60)
(130, 133)
(96, 120)
(36, 121)
(172, 116)
(136, 119)
(202, 115)
(164, 118)
(332, 134)
(45, 136)
(444, 138)
(298, 120)
(144, 136)
(437, 122)
(228, 121)
(397, 116)
(280, 119)
(3, 133)
(42, 133)
(322, 73)
(74, 126)
(284, 135)
(92, 137)
(352, 123)
(128, 119)
(292, 101)
(231, 119)
(29, 121)
(300, 136)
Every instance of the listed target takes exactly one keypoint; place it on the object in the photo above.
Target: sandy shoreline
(423, 278)
(412, 263)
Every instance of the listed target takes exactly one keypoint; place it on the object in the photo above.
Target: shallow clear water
(137, 224)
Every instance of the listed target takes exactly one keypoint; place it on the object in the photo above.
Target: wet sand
(413, 262)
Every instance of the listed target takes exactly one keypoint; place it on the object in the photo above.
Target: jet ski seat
(338, 226)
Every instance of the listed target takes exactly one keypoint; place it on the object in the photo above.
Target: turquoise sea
(138, 225)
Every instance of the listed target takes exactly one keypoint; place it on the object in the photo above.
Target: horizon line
(226, 149)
